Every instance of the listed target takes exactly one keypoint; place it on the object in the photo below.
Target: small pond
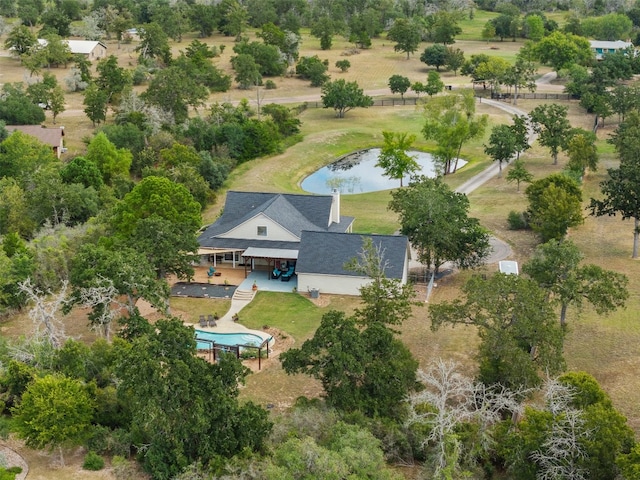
(357, 173)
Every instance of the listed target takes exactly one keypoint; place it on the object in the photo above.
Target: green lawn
(190, 309)
(289, 312)
(472, 27)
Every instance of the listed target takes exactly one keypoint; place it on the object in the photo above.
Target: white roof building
(601, 47)
(94, 49)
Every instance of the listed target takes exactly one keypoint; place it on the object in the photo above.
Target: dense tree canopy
(159, 218)
(54, 410)
(183, 407)
(520, 339)
(17, 108)
(561, 50)
(555, 205)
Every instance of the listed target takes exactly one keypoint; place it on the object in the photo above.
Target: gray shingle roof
(326, 253)
(294, 212)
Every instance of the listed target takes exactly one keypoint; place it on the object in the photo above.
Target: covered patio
(275, 259)
(265, 284)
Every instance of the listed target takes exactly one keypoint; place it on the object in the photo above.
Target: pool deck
(242, 296)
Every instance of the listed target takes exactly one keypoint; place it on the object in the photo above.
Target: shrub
(122, 468)
(9, 473)
(99, 439)
(517, 221)
(105, 441)
(140, 75)
(343, 65)
(270, 85)
(93, 461)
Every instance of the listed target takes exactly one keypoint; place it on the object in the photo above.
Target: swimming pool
(228, 339)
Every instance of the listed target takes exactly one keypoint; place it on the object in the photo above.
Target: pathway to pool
(243, 295)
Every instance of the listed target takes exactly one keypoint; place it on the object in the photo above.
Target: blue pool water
(230, 339)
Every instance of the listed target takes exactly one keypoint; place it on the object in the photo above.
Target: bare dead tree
(561, 453)
(45, 311)
(102, 299)
(455, 399)
(370, 260)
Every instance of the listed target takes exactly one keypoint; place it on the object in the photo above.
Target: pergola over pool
(216, 343)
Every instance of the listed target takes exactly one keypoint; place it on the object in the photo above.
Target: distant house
(303, 235)
(602, 47)
(94, 50)
(54, 137)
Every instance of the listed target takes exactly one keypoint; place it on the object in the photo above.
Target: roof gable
(249, 230)
(326, 253)
(293, 211)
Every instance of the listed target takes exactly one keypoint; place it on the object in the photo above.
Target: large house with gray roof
(301, 233)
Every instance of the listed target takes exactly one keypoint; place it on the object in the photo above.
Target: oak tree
(520, 340)
(551, 124)
(555, 266)
(621, 196)
(555, 205)
(343, 96)
(436, 220)
(406, 34)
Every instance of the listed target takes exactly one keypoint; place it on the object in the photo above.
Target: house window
(262, 231)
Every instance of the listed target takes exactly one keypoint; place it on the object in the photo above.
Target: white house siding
(249, 229)
(100, 51)
(405, 268)
(336, 284)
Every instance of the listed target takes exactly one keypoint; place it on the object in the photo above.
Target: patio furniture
(276, 273)
(203, 321)
(211, 272)
(212, 321)
(288, 274)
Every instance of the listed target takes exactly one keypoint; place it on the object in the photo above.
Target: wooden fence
(389, 102)
(533, 96)
(393, 102)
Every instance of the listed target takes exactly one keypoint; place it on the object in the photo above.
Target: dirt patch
(283, 342)
(322, 300)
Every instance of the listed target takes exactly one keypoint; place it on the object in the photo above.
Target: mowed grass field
(606, 347)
